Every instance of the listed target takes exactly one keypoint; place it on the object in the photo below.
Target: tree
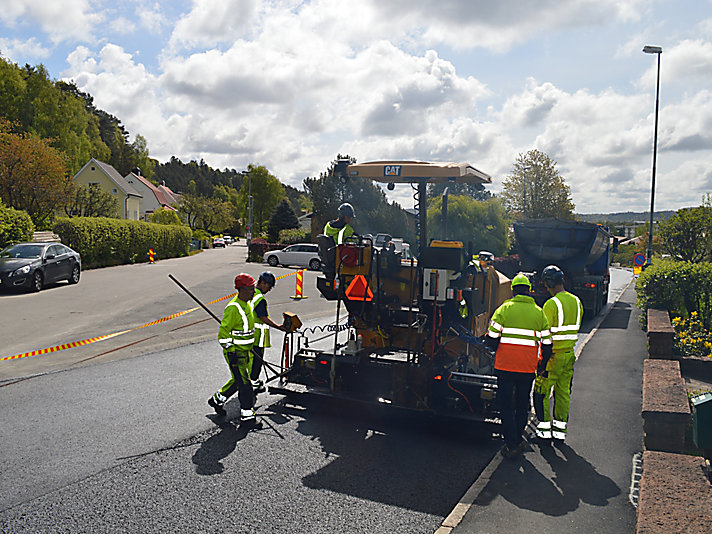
(475, 191)
(283, 218)
(164, 216)
(211, 215)
(482, 223)
(33, 176)
(687, 235)
(92, 201)
(535, 190)
(267, 192)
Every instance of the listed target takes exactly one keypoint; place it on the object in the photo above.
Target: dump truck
(580, 249)
(411, 330)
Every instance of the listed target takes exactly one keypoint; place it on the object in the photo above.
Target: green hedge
(15, 226)
(102, 241)
(679, 287)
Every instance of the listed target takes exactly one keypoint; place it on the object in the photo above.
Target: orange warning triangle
(358, 289)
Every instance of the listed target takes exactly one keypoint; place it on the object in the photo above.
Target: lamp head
(649, 49)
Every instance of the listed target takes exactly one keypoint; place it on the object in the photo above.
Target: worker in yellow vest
(517, 332)
(236, 336)
(339, 229)
(564, 313)
(265, 283)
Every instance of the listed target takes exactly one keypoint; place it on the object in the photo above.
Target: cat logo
(391, 170)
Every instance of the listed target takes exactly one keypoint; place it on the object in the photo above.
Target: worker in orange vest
(517, 332)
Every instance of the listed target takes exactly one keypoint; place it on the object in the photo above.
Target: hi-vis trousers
(556, 382)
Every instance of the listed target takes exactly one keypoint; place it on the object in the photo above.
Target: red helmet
(244, 280)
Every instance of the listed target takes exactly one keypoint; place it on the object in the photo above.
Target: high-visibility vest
(339, 234)
(521, 327)
(564, 312)
(261, 328)
(237, 328)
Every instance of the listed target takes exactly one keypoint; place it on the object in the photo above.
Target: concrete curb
(455, 517)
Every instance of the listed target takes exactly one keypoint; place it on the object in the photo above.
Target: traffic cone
(299, 293)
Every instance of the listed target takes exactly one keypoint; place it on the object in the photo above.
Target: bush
(294, 235)
(679, 287)
(103, 241)
(258, 247)
(15, 226)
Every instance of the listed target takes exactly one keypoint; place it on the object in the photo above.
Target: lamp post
(249, 206)
(526, 171)
(653, 50)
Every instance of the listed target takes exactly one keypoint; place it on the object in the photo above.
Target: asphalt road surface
(124, 441)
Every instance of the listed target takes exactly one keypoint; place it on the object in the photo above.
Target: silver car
(299, 255)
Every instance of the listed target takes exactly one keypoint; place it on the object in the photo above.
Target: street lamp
(249, 206)
(654, 50)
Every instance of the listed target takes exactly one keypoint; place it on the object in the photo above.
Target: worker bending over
(265, 283)
(236, 336)
(339, 229)
(517, 331)
(564, 313)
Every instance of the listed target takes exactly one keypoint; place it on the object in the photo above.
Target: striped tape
(83, 342)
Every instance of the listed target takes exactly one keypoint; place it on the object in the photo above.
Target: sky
(290, 84)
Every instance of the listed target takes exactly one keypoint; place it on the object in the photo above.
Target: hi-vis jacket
(261, 329)
(521, 327)
(564, 312)
(338, 232)
(237, 329)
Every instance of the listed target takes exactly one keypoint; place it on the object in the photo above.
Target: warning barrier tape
(83, 342)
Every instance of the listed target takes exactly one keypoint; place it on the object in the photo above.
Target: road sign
(637, 270)
(639, 259)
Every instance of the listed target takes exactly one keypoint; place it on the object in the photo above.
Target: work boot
(217, 406)
(248, 416)
(258, 386)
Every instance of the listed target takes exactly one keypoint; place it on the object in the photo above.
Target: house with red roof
(153, 196)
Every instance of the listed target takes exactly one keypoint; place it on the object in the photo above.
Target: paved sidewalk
(584, 484)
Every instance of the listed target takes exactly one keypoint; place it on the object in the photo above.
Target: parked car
(299, 255)
(218, 242)
(228, 239)
(34, 265)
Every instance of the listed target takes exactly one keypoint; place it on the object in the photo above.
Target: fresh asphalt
(130, 446)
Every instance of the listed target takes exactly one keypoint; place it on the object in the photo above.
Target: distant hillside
(624, 217)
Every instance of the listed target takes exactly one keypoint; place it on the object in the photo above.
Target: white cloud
(23, 51)
(210, 23)
(60, 19)
(151, 17)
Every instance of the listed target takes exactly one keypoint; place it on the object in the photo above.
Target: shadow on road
(402, 461)
(574, 481)
(207, 458)
(618, 317)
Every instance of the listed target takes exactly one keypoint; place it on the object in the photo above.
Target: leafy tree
(92, 201)
(687, 235)
(211, 215)
(33, 176)
(535, 190)
(267, 192)
(477, 192)
(140, 157)
(164, 216)
(15, 226)
(178, 175)
(482, 223)
(283, 218)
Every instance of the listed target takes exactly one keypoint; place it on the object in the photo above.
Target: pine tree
(282, 219)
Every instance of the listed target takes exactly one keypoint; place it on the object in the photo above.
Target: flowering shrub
(691, 338)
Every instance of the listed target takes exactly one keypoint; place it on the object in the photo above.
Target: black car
(34, 265)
